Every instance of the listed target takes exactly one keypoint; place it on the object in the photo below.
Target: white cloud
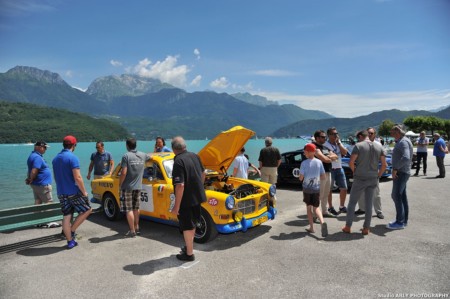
(167, 70)
(197, 80)
(115, 63)
(25, 7)
(274, 73)
(68, 74)
(197, 53)
(352, 105)
(220, 83)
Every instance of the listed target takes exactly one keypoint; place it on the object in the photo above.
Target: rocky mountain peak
(37, 74)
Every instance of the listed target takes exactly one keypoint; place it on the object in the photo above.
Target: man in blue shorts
(188, 177)
(334, 144)
(70, 189)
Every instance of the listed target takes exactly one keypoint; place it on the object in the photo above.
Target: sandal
(311, 231)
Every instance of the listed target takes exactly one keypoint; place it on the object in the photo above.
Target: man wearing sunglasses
(39, 174)
(334, 144)
(327, 157)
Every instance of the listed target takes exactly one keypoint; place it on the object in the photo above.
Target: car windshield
(168, 166)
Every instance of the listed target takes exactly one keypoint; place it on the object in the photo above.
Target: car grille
(263, 202)
(246, 206)
(249, 206)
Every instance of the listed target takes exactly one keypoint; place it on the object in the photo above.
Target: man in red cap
(70, 189)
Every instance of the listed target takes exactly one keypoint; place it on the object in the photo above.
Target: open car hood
(220, 152)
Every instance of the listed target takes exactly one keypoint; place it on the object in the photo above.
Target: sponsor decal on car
(161, 188)
(213, 201)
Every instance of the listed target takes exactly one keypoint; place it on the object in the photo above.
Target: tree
(385, 128)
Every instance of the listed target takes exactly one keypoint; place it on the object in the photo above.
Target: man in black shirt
(188, 176)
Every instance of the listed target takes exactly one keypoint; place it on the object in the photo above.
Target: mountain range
(148, 107)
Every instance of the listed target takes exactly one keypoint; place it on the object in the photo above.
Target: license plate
(259, 220)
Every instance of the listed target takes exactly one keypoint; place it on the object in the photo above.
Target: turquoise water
(13, 163)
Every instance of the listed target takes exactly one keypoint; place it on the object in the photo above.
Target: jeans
(399, 197)
(421, 156)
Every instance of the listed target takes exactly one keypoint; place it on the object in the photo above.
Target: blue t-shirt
(63, 164)
(44, 176)
(311, 169)
(163, 149)
(102, 162)
(436, 150)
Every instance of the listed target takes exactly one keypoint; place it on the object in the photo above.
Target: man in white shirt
(337, 172)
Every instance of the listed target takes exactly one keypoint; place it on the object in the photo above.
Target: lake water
(13, 163)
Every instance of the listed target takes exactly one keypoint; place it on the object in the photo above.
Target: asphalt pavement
(278, 259)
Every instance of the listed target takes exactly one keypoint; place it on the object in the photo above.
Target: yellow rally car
(233, 204)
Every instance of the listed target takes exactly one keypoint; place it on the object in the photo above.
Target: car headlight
(272, 190)
(229, 202)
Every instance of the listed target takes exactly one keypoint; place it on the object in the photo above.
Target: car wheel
(206, 229)
(110, 207)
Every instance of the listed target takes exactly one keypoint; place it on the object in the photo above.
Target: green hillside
(22, 122)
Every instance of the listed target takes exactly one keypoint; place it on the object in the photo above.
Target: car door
(154, 199)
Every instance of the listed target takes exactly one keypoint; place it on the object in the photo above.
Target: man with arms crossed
(188, 176)
(70, 189)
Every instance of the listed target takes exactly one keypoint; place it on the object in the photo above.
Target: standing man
(240, 165)
(133, 164)
(70, 189)
(269, 160)
(439, 151)
(188, 178)
(377, 198)
(39, 174)
(364, 161)
(422, 153)
(337, 172)
(101, 161)
(326, 156)
(401, 171)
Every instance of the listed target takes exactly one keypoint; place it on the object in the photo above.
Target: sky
(344, 57)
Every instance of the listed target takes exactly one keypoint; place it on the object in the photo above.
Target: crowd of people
(321, 170)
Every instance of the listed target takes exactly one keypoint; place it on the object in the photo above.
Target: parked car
(292, 160)
(232, 205)
(387, 173)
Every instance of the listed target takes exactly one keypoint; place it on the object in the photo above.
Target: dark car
(293, 160)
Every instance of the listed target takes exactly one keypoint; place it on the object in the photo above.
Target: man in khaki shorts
(40, 177)
(269, 160)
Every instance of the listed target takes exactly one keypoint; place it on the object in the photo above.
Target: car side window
(298, 158)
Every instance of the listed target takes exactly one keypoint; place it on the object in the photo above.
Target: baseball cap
(41, 143)
(69, 139)
(310, 147)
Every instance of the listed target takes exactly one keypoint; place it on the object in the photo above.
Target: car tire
(110, 207)
(206, 229)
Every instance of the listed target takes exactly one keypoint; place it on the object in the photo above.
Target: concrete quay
(278, 259)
